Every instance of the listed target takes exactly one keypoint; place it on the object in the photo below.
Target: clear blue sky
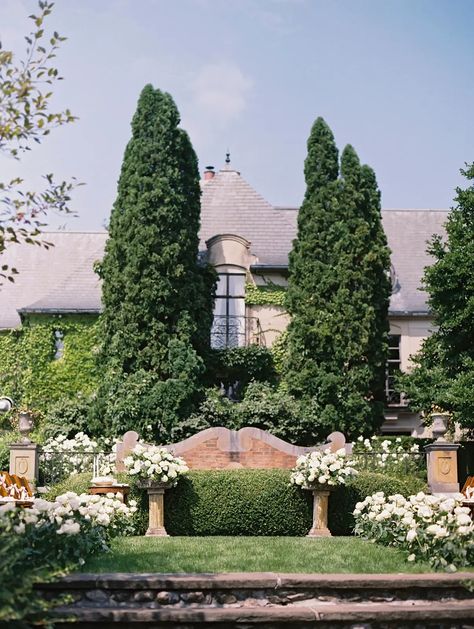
(392, 77)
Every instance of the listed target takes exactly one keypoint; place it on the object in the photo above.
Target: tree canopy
(443, 373)
(26, 90)
(157, 299)
(338, 291)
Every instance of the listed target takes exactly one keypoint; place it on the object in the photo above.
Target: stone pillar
(320, 514)
(156, 509)
(442, 465)
(442, 459)
(24, 461)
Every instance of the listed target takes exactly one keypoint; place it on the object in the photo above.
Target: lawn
(250, 554)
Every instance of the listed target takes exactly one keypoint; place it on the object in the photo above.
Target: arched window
(228, 328)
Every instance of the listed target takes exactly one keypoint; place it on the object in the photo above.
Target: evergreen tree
(443, 374)
(338, 291)
(157, 305)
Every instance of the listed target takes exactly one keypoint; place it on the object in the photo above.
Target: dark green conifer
(443, 375)
(157, 307)
(338, 292)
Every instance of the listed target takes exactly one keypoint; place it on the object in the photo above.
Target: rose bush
(430, 528)
(394, 456)
(322, 468)
(62, 457)
(50, 537)
(155, 463)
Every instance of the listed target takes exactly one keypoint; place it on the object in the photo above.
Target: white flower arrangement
(63, 457)
(430, 528)
(70, 514)
(389, 455)
(322, 468)
(155, 463)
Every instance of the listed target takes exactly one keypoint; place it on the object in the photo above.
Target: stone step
(210, 590)
(267, 600)
(414, 614)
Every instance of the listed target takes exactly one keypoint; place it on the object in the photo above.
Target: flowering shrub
(322, 468)
(430, 528)
(62, 457)
(392, 456)
(40, 542)
(155, 463)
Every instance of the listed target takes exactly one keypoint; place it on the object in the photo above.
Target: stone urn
(156, 506)
(25, 426)
(439, 426)
(320, 510)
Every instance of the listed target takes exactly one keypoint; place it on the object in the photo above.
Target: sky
(394, 78)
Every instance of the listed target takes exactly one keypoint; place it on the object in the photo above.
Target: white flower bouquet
(322, 468)
(430, 528)
(155, 464)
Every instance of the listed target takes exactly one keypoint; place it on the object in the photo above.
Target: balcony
(235, 331)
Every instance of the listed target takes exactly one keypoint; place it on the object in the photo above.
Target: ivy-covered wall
(29, 371)
(267, 295)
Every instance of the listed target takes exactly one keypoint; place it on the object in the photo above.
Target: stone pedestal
(24, 461)
(156, 509)
(442, 465)
(320, 513)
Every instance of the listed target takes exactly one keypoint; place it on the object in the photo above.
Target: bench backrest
(14, 486)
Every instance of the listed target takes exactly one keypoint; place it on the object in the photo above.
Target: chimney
(209, 173)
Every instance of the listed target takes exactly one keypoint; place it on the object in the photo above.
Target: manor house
(248, 241)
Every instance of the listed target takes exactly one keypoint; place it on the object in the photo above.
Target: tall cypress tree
(338, 291)
(157, 312)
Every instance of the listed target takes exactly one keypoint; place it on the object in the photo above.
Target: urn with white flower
(155, 469)
(320, 471)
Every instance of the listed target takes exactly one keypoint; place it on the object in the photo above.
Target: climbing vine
(268, 295)
(33, 373)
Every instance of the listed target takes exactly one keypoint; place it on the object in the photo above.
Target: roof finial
(227, 157)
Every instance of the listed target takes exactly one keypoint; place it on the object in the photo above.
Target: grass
(250, 554)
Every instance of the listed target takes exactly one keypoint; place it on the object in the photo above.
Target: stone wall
(221, 448)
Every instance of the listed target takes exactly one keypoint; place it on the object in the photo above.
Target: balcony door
(228, 328)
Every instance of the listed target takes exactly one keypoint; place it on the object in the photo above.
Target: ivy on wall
(29, 371)
(268, 295)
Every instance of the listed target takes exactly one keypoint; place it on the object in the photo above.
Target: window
(393, 396)
(228, 327)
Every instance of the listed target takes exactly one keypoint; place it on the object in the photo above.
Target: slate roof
(62, 279)
(231, 206)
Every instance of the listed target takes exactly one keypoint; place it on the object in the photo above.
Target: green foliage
(443, 374)
(279, 350)
(338, 291)
(267, 295)
(26, 117)
(250, 502)
(237, 502)
(276, 410)
(67, 417)
(343, 499)
(6, 438)
(31, 375)
(78, 483)
(264, 406)
(155, 327)
(241, 365)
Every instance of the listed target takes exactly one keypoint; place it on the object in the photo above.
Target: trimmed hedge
(237, 502)
(250, 502)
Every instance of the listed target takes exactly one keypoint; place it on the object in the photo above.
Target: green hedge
(250, 502)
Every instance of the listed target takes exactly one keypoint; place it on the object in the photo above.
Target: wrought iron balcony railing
(235, 331)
